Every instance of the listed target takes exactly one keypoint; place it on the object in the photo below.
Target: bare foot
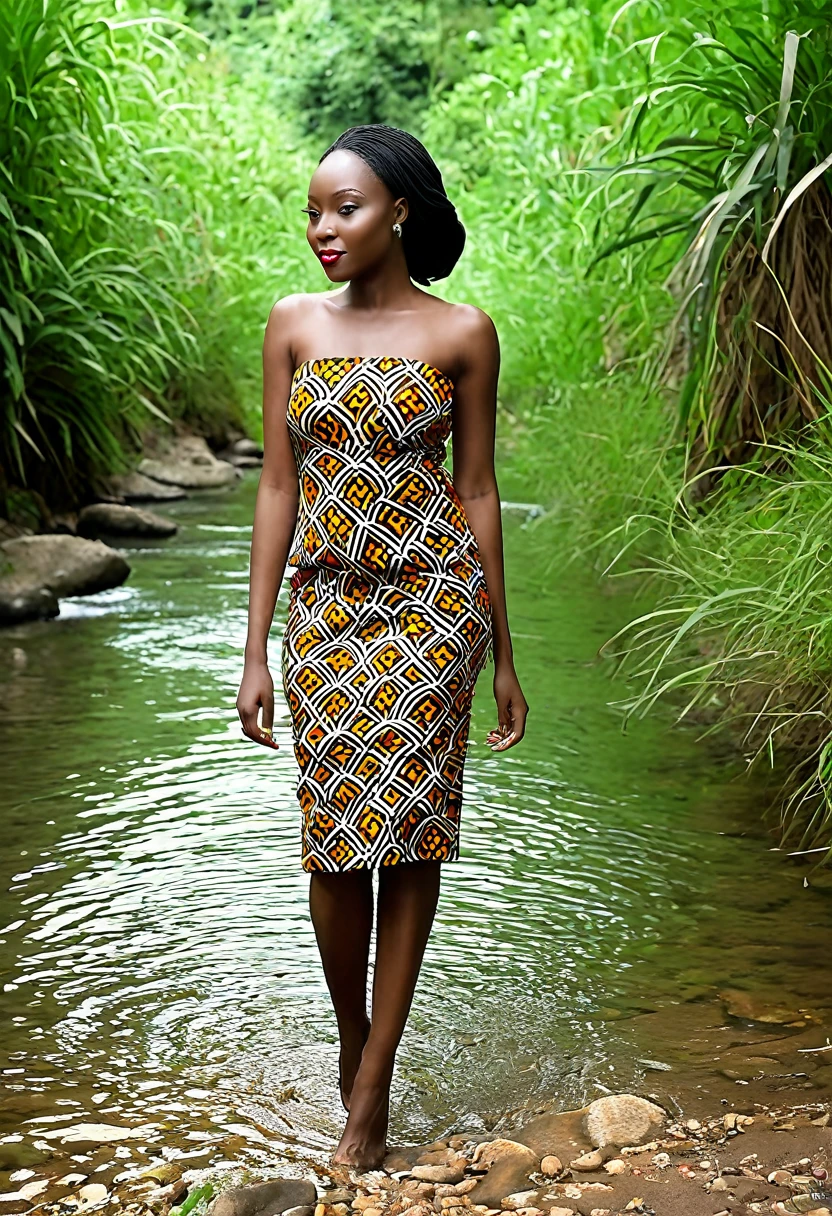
(349, 1060)
(363, 1145)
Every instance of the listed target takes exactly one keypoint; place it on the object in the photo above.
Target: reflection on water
(158, 959)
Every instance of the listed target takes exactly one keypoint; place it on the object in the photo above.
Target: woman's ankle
(376, 1066)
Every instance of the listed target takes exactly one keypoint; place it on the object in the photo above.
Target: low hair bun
(433, 236)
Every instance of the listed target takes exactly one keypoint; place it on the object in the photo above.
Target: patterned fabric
(389, 619)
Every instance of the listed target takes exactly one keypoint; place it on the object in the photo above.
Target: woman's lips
(330, 256)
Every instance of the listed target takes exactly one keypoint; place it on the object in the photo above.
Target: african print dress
(389, 619)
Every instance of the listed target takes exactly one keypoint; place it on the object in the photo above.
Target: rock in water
(26, 603)
(108, 519)
(588, 1162)
(492, 1151)
(245, 454)
(622, 1119)
(509, 1165)
(246, 447)
(136, 487)
(264, 1198)
(451, 1173)
(192, 465)
(36, 569)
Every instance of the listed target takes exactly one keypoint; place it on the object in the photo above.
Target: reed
(729, 147)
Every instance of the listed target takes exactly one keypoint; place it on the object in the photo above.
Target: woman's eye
(309, 211)
(348, 208)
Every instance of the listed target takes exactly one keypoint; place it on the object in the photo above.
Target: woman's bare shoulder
(297, 306)
(472, 332)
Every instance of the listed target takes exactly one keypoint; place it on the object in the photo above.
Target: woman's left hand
(512, 710)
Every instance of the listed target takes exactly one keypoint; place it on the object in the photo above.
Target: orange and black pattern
(389, 619)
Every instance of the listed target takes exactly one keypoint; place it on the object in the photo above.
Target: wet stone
(264, 1198)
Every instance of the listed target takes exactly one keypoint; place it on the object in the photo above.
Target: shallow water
(159, 965)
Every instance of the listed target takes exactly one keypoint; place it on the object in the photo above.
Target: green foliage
(336, 64)
(141, 211)
(350, 63)
(744, 624)
(591, 384)
(728, 146)
(85, 322)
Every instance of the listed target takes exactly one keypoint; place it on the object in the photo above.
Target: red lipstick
(330, 256)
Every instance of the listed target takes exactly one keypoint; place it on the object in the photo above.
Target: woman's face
(351, 217)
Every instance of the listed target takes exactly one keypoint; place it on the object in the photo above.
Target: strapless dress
(389, 619)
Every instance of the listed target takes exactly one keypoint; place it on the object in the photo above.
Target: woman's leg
(341, 906)
(407, 899)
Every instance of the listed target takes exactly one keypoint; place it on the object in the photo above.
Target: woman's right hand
(256, 692)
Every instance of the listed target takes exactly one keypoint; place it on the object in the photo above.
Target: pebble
(493, 1151)
(520, 1199)
(622, 1119)
(93, 1192)
(575, 1190)
(439, 1173)
(616, 1166)
(162, 1172)
(588, 1161)
(551, 1166)
(442, 1156)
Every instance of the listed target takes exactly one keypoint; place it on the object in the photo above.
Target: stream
(159, 967)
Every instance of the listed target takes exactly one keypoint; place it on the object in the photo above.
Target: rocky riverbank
(620, 1154)
(77, 553)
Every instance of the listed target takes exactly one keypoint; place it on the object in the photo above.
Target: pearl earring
(397, 228)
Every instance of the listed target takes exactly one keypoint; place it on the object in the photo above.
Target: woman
(397, 595)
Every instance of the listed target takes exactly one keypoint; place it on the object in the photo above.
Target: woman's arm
(475, 481)
(275, 519)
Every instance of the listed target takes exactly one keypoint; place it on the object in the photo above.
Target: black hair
(432, 235)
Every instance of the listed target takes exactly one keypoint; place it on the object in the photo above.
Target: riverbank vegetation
(645, 192)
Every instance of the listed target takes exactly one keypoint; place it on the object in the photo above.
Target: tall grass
(86, 325)
(743, 629)
(145, 215)
(729, 145)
